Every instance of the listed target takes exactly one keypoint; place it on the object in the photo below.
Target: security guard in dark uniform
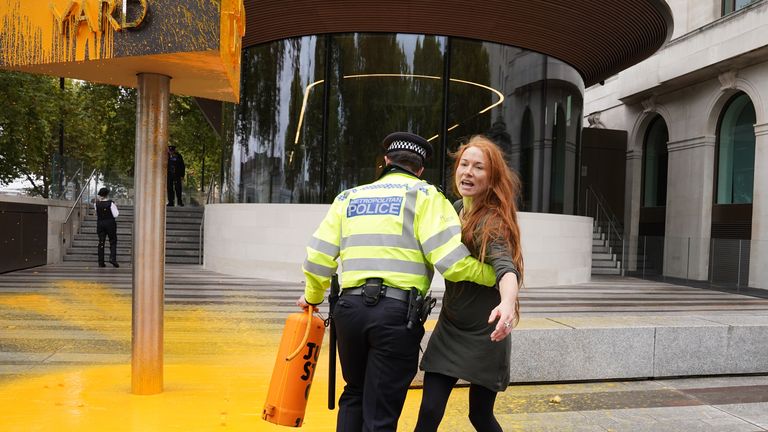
(390, 235)
(176, 172)
(106, 226)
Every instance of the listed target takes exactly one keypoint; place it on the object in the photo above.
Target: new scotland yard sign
(195, 42)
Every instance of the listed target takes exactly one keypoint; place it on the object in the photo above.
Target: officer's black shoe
(169, 205)
(102, 265)
(114, 264)
(181, 204)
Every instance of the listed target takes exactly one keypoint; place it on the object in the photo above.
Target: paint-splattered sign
(195, 42)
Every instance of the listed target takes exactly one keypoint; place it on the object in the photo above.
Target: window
(730, 6)
(655, 160)
(736, 152)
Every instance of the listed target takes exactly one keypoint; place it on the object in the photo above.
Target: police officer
(176, 171)
(106, 213)
(390, 235)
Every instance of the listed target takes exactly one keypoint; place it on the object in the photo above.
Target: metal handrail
(601, 208)
(603, 211)
(210, 190)
(79, 196)
(202, 223)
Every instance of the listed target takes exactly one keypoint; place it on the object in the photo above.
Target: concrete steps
(182, 237)
(611, 328)
(604, 260)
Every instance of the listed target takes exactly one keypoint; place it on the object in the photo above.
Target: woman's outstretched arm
(506, 311)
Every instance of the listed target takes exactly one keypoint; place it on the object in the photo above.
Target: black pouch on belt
(373, 290)
(419, 308)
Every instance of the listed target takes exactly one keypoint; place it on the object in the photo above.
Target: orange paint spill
(218, 364)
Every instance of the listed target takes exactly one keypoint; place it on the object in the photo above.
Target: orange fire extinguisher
(294, 369)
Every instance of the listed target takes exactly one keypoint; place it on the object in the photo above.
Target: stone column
(152, 112)
(758, 256)
(689, 207)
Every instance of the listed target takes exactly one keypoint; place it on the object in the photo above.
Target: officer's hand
(505, 314)
(302, 303)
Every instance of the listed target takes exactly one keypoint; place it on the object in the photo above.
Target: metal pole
(738, 268)
(688, 263)
(711, 276)
(60, 192)
(152, 108)
(645, 257)
(202, 171)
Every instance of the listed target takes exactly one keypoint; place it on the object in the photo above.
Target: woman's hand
(505, 314)
(506, 311)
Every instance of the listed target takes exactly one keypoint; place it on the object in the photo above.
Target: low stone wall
(268, 241)
(59, 234)
(600, 348)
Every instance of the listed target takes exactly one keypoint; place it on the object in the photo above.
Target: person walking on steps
(106, 225)
(176, 172)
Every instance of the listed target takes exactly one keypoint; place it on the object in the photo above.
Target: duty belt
(373, 290)
(391, 292)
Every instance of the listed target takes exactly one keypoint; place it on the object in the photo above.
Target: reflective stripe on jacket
(398, 228)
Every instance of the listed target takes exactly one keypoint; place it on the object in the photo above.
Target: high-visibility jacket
(398, 228)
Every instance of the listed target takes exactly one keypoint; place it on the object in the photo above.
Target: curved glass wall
(313, 111)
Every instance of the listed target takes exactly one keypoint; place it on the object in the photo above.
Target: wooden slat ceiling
(598, 37)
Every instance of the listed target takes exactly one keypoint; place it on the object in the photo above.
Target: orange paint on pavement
(218, 365)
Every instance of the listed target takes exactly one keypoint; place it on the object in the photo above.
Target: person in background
(106, 225)
(467, 343)
(176, 172)
(390, 236)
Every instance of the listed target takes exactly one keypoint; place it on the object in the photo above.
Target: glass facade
(655, 161)
(736, 152)
(314, 109)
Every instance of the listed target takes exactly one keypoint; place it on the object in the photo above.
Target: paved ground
(65, 336)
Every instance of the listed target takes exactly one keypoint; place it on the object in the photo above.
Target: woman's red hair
(493, 215)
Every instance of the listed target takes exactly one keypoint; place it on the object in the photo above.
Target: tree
(99, 132)
(196, 141)
(28, 129)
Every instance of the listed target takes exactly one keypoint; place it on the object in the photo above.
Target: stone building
(693, 120)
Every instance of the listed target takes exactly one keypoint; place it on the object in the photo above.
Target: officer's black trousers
(106, 228)
(174, 183)
(379, 357)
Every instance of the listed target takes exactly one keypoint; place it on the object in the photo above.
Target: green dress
(460, 345)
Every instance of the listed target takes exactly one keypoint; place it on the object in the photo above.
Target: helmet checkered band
(407, 145)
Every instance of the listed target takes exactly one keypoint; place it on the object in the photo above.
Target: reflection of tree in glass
(368, 108)
(469, 62)
(294, 153)
(427, 95)
(302, 160)
(258, 119)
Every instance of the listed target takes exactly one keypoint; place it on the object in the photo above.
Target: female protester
(467, 342)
